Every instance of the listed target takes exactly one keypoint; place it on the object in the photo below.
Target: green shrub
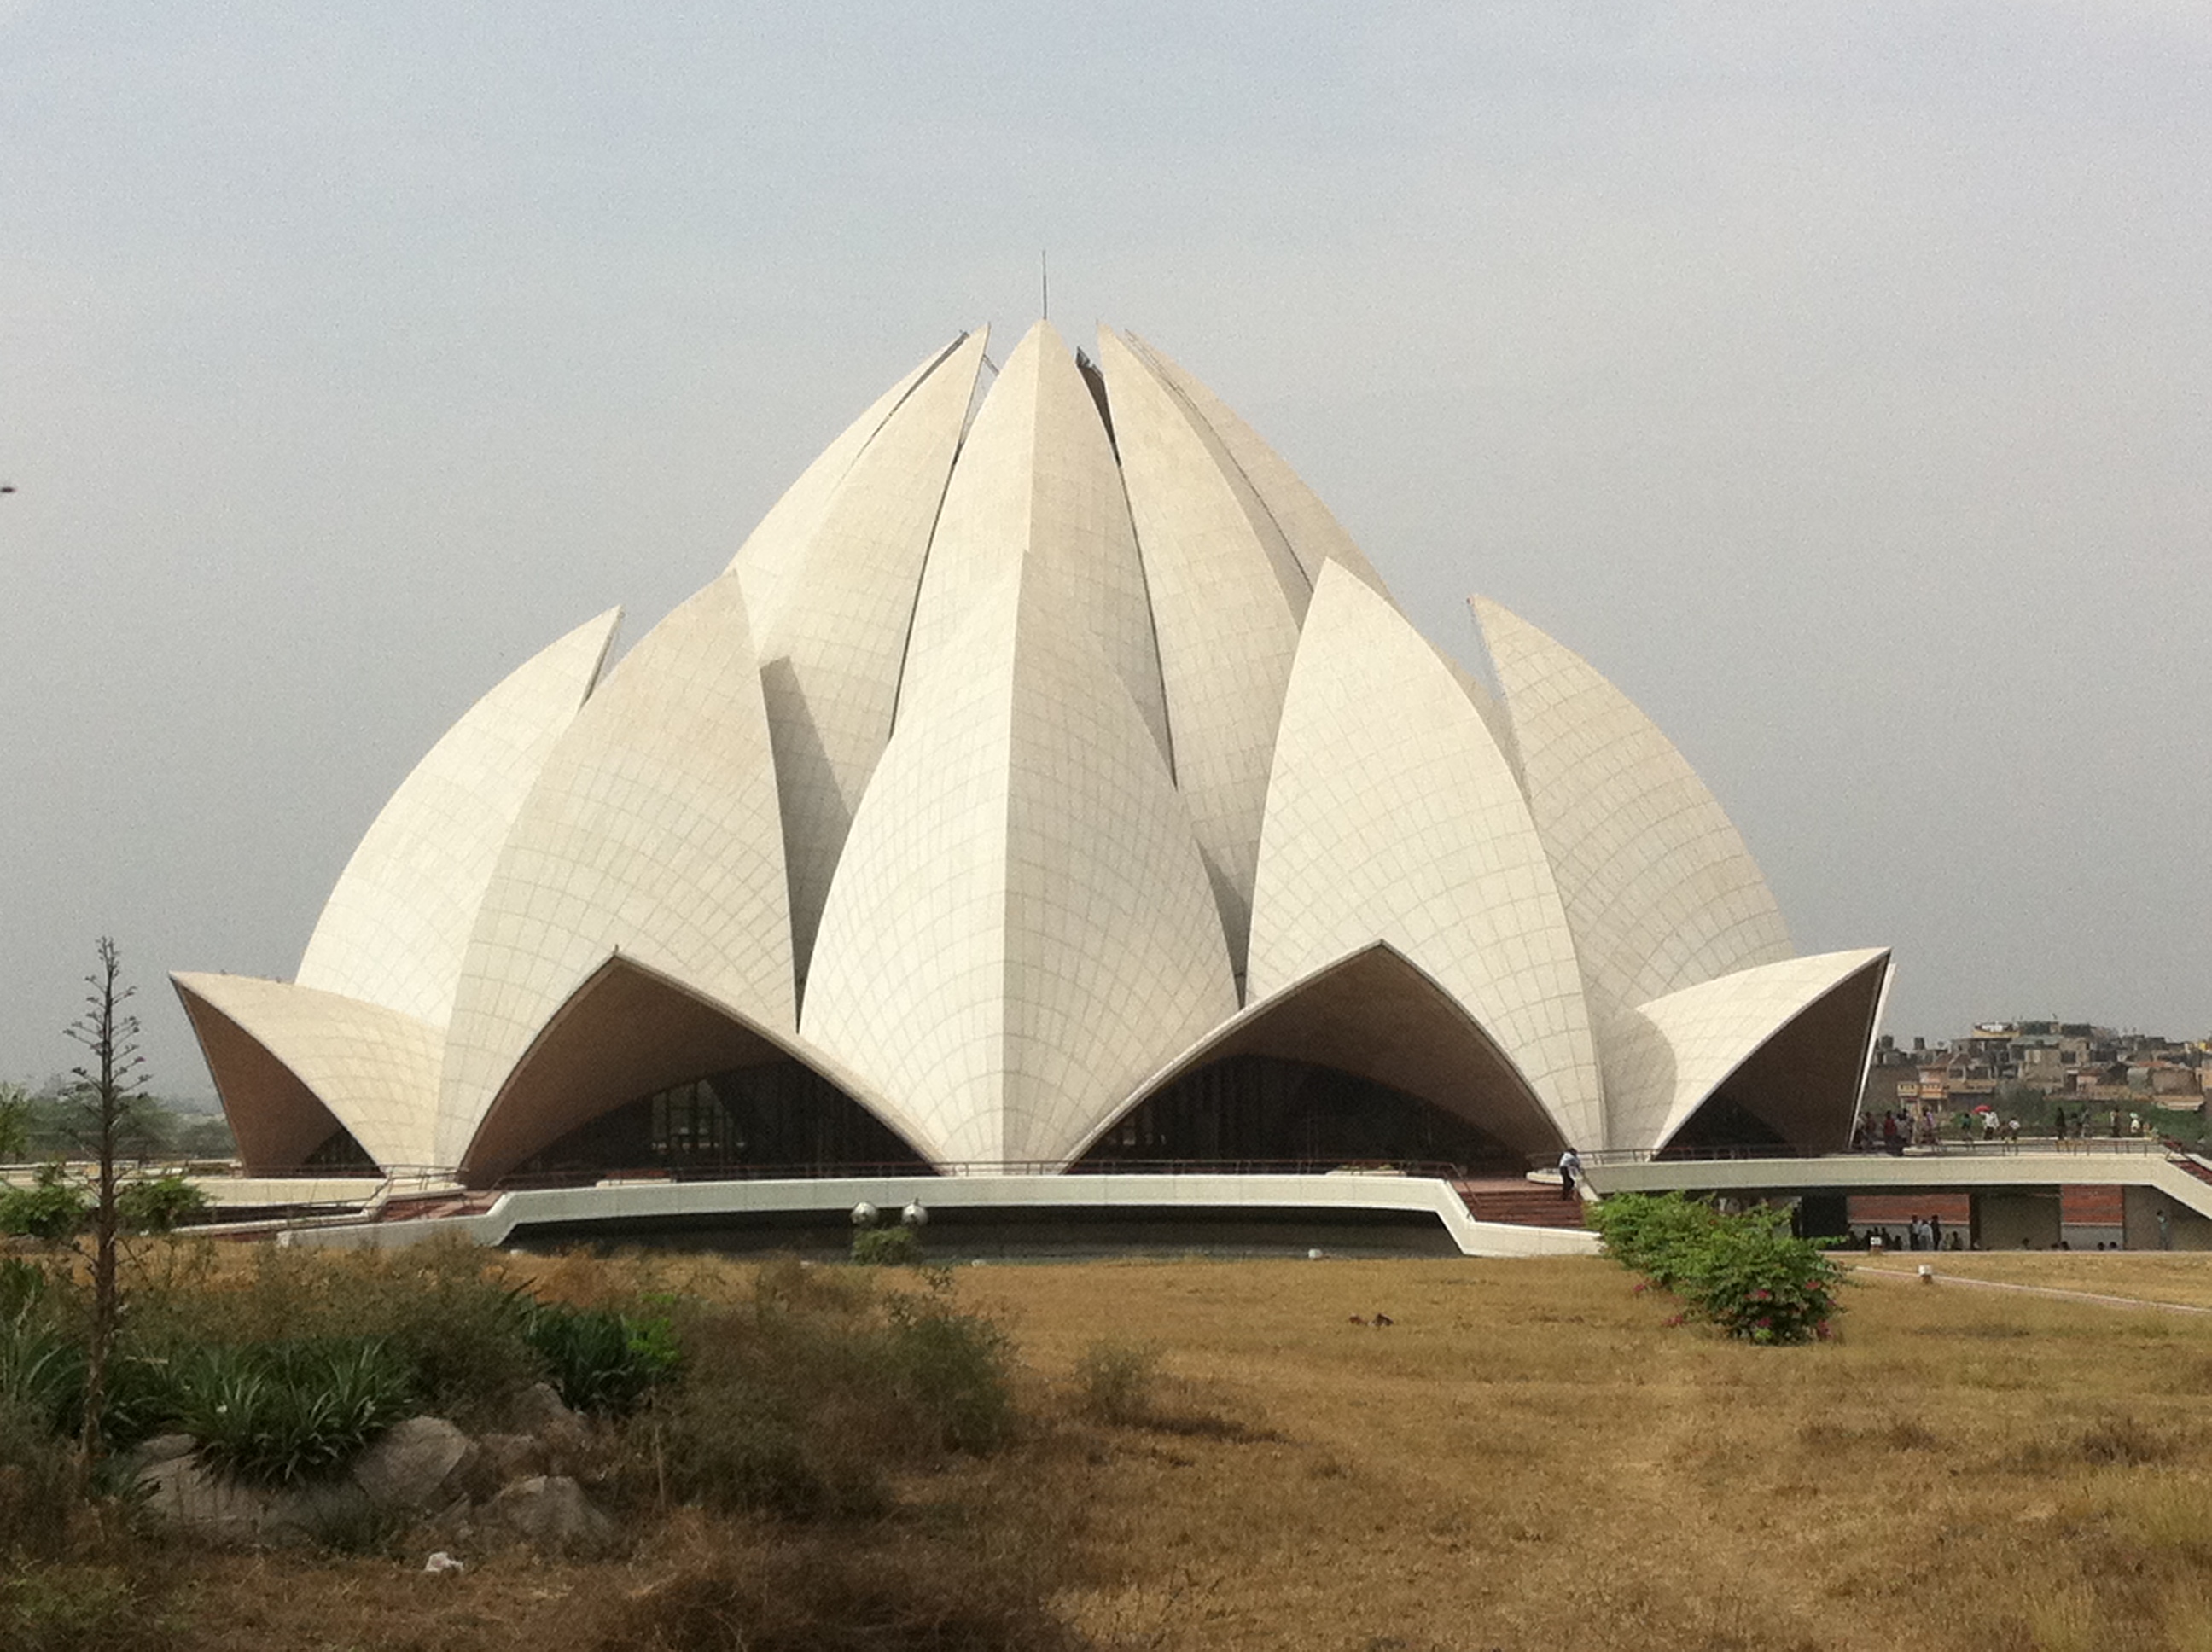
(600, 1361)
(1116, 1381)
(159, 1204)
(1656, 1235)
(282, 1413)
(444, 1309)
(50, 1210)
(951, 1367)
(22, 1286)
(886, 1248)
(805, 1402)
(1745, 1273)
(1754, 1280)
(41, 1372)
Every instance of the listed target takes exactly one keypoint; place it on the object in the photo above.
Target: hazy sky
(1836, 378)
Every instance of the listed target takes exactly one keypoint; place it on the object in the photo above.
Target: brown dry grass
(1527, 1460)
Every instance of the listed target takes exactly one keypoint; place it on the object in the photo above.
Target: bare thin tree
(109, 1089)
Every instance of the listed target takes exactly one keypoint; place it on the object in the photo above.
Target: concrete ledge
(1923, 1172)
(1096, 1201)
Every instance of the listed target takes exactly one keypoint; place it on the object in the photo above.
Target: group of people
(1901, 1127)
(1921, 1233)
(2083, 1123)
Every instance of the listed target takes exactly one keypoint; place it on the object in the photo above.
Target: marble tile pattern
(1411, 827)
(1025, 752)
(1227, 597)
(396, 926)
(373, 1068)
(653, 830)
(1671, 1054)
(1660, 890)
(1309, 527)
(832, 645)
(1022, 929)
(772, 550)
(1037, 484)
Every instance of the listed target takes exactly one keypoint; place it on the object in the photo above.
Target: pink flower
(1671, 1321)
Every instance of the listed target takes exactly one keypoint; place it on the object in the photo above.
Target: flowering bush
(1746, 1274)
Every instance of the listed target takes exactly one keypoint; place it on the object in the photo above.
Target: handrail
(2094, 1145)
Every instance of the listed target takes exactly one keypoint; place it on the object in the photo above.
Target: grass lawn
(1528, 1458)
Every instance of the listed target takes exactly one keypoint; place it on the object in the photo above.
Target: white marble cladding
(1024, 753)
(1410, 828)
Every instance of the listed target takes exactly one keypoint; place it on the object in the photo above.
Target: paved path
(1943, 1277)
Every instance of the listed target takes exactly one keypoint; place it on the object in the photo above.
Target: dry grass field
(1527, 1458)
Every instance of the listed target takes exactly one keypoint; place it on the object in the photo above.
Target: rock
(166, 1448)
(551, 1513)
(183, 1492)
(334, 1512)
(500, 1460)
(408, 1464)
(542, 1411)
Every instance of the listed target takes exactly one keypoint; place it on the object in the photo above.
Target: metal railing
(2094, 1144)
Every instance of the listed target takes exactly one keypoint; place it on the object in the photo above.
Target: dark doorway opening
(1261, 1110)
(1721, 1124)
(340, 1152)
(779, 1118)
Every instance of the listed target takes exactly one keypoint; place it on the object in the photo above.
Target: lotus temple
(1047, 785)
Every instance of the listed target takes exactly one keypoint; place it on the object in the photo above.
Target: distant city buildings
(2065, 1061)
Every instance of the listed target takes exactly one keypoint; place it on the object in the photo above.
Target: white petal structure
(295, 1064)
(1725, 1039)
(654, 831)
(833, 640)
(1410, 828)
(395, 928)
(1061, 785)
(1022, 931)
(1660, 891)
(1037, 483)
(1228, 596)
(1309, 527)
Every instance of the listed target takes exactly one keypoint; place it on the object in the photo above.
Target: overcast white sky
(1836, 378)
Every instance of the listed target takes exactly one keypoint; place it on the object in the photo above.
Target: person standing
(1571, 1170)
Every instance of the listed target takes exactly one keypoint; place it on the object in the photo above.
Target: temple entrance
(1722, 1123)
(340, 1152)
(1263, 1110)
(778, 1119)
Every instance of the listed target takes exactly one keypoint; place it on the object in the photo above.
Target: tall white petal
(397, 925)
(1310, 529)
(1037, 486)
(1392, 814)
(1227, 598)
(832, 647)
(654, 829)
(1022, 927)
(1658, 886)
